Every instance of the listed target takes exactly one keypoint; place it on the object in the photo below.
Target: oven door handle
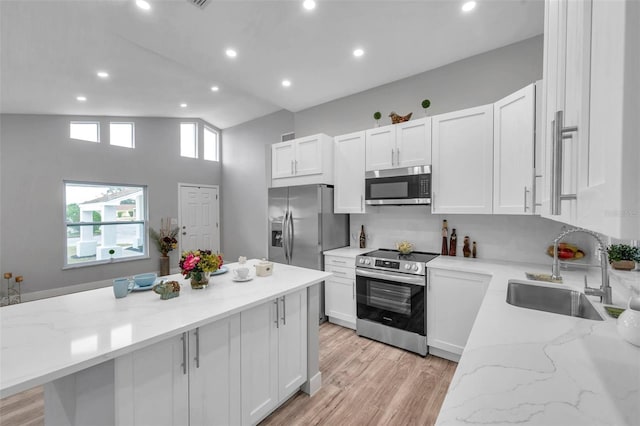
(392, 276)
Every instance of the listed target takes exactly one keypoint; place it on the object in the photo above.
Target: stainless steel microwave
(406, 186)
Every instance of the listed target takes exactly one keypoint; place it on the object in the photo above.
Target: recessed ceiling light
(183, 105)
(214, 88)
(231, 53)
(102, 74)
(468, 6)
(286, 83)
(309, 4)
(143, 4)
(81, 98)
(358, 52)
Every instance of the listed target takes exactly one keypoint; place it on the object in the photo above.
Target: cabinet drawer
(341, 271)
(344, 262)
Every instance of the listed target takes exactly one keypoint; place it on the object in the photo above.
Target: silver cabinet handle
(277, 313)
(558, 136)
(284, 310)
(353, 290)
(339, 261)
(339, 272)
(397, 156)
(392, 158)
(295, 166)
(525, 198)
(197, 357)
(184, 353)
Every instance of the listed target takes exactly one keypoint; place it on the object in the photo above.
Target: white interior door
(199, 218)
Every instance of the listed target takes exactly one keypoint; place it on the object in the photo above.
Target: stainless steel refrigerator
(302, 225)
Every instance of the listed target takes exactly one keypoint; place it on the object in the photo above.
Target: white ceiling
(52, 49)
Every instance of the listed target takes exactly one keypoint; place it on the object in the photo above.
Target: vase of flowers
(166, 241)
(198, 265)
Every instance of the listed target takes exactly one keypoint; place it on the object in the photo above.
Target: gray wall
(474, 81)
(246, 154)
(37, 155)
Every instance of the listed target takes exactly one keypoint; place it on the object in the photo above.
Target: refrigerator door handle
(290, 236)
(285, 225)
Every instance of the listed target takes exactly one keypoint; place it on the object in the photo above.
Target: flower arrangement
(165, 239)
(194, 264)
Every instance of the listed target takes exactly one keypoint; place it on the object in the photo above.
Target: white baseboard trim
(444, 354)
(342, 323)
(313, 385)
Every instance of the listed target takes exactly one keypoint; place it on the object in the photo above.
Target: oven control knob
(415, 267)
(367, 261)
(407, 266)
(361, 260)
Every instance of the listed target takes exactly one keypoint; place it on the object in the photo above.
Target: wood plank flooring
(369, 383)
(363, 383)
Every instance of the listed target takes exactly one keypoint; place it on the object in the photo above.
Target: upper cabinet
(400, 145)
(462, 180)
(513, 153)
(590, 115)
(349, 155)
(302, 161)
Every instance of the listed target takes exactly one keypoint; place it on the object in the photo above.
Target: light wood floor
(369, 383)
(363, 383)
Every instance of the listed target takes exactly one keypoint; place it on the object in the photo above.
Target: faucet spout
(605, 289)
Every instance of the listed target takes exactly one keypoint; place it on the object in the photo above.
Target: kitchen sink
(551, 299)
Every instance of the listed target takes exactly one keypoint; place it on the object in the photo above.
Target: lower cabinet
(274, 354)
(453, 301)
(188, 379)
(340, 291)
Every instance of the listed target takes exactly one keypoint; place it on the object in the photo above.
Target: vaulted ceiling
(174, 53)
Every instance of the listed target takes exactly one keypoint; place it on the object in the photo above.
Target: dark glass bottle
(466, 250)
(474, 251)
(363, 237)
(445, 232)
(453, 242)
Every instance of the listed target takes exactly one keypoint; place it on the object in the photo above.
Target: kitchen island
(143, 360)
(531, 367)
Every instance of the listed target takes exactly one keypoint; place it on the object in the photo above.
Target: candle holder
(4, 301)
(14, 295)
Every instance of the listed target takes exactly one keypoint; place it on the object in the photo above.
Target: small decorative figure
(167, 289)
(466, 249)
(395, 118)
(445, 232)
(453, 243)
(475, 250)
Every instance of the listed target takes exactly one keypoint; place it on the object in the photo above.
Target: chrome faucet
(605, 289)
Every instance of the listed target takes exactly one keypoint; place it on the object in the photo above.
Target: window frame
(133, 134)
(97, 123)
(195, 141)
(206, 128)
(144, 222)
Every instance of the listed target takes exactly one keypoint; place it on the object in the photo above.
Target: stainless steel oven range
(391, 299)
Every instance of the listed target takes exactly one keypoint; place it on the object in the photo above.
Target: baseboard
(444, 354)
(342, 323)
(313, 385)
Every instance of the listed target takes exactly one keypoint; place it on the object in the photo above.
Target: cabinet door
(308, 157)
(513, 150)
(349, 167)
(340, 301)
(413, 142)
(259, 361)
(214, 382)
(292, 343)
(462, 175)
(453, 301)
(152, 385)
(381, 148)
(282, 159)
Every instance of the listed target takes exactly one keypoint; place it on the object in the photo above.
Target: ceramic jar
(629, 322)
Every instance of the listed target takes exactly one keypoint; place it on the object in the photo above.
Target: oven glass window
(390, 297)
(399, 189)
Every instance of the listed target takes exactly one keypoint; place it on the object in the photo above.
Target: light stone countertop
(533, 367)
(50, 338)
(350, 252)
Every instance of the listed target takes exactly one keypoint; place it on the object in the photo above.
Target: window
(211, 148)
(189, 140)
(85, 131)
(121, 134)
(104, 223)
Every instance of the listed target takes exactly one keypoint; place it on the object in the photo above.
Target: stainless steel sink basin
(550, 299)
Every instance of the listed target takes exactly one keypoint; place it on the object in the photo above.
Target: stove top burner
(415, 256)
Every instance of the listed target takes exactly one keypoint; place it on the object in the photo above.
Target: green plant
(619, 252)
(377, 115)
(426, 103)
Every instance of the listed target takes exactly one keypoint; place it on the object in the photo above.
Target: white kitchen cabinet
(340, 291)
(349, 168)
(513, 152)
(462, 171)
(274, 354)
(400, 145)
(193, 379)
(608, 195)
(453, 301)
(566, 76)
(307, 160)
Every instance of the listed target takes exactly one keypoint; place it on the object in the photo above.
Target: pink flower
(190, 262)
